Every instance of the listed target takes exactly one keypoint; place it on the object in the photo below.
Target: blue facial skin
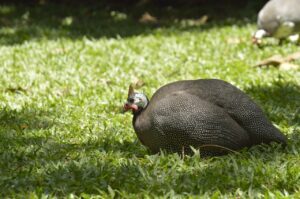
(139, 99)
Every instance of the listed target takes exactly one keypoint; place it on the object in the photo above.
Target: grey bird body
(279, 19)
(202, 112)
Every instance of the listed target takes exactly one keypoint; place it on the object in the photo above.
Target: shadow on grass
(23, 131)
(280, 100)
(22, 22)
(39, 164)
(62, 169)
(32, 161)
(79, 174)
(25, 119)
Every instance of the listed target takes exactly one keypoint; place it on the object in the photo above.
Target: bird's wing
(188, 120)
(233, 101)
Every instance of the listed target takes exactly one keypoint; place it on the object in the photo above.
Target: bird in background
(279, 19)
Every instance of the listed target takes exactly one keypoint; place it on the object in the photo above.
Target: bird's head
(135, 101)
(258, 35)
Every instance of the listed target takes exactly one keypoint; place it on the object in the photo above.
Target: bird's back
(233, 101)
(184, 120)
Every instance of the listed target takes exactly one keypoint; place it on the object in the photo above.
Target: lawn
(65, 72)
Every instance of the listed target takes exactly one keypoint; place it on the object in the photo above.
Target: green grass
(64, 77)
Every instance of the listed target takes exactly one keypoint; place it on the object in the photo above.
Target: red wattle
(130, 106)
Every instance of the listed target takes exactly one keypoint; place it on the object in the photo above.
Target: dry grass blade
(16, 89)
(275, 60)
(288, 66)
(147, 18)
(281, 62)
(218, 147)
(292, 57)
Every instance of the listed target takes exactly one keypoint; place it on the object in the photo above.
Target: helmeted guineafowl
(279, 19)
(207, 114)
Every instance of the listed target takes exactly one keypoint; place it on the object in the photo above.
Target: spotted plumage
(199, 113)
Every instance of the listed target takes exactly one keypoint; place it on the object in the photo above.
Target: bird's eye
(130, 100)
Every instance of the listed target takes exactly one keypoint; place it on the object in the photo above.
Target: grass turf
(64, 76)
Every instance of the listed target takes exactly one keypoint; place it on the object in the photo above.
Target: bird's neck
(138, 113)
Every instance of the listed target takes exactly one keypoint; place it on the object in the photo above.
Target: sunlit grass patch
(64, 80)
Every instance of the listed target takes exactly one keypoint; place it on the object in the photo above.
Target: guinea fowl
(279, 19)
(207, 114)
